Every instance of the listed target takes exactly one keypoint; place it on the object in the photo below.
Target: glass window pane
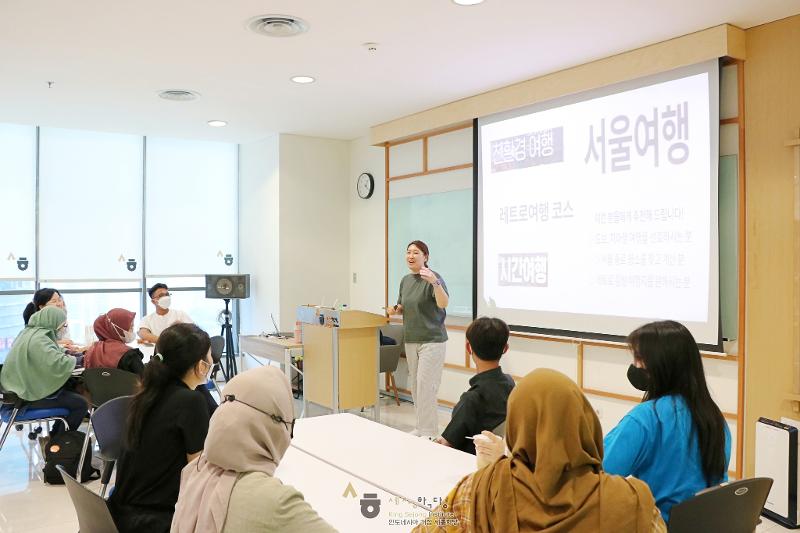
(18, 215)
(11, 323)
(191, 207)
(90, 205)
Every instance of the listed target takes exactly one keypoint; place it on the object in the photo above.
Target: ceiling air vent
(277, 25)
(178, 95)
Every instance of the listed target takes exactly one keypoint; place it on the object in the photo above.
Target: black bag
(65, 449)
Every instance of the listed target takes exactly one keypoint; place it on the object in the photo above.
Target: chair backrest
(731, 508)
(396, 332)
(92, 510)
(108, 383)
(108, 422)
(217, 347)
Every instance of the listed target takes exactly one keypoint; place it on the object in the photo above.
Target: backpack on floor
(65, 449)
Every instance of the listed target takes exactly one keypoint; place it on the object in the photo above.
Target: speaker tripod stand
(229, 369)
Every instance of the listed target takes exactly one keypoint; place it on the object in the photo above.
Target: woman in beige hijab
(552, 480)
(231, 487)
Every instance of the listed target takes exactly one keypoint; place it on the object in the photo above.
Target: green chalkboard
(444, 222)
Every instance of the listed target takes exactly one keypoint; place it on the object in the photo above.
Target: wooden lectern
(341, 358)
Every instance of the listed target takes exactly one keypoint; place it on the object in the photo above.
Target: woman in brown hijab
(114, 332)
(552, 480)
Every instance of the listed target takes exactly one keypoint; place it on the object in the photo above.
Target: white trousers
(425, 364)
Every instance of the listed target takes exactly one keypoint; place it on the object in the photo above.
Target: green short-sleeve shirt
(423, 320)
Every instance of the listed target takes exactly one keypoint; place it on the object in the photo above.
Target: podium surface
(341, 354)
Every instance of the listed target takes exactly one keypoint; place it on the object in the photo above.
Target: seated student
(553, 478)
(43, 298)
(483, 406)
(114, 331)
(153, 324)
(231, 487)
(166, 426)
(36, 369)
(676, 440)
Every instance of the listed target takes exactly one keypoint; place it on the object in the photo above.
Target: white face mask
(164, 302)
(207, 376)
(62, 332)
(125, 336)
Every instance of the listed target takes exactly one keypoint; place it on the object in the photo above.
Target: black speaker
(228, 286)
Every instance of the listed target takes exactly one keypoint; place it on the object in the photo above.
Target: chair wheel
(18, 427)
(38, 430)
(32, 435)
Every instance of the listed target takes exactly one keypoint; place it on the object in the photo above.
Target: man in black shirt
(483, 406)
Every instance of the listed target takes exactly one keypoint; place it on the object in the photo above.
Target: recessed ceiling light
(303, 79)
(179, 95)
(217, 123)
(467, 2)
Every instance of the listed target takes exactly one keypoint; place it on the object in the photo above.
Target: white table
(272, 348)
(410, 467)
(325, 488)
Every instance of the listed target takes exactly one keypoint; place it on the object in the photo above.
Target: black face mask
(638, 377)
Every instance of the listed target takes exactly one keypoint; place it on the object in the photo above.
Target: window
(90, 205)
(92, 236)
(191, 207)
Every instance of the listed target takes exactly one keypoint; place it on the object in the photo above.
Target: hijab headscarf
(110, 329)
(241, 438)
(553, 480)
(36, 366)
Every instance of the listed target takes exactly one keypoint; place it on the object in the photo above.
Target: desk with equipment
(274, 348)
(341, 352)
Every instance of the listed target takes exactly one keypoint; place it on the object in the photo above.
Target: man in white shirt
(153, 324)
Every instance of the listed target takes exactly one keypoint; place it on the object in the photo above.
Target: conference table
(413, 472)
(337, 496)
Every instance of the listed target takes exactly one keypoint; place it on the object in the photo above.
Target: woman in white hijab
(231, 487)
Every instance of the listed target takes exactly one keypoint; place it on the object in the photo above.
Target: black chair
(16, 411)
(92, 510)
(108, 423)
(730, 508)
(217, 347)
(105, 384)
(390, 356)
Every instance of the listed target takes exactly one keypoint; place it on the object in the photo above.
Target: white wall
(259, 234)
(314, 223)
(367, 239)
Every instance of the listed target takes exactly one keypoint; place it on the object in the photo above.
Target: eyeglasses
(275, 418)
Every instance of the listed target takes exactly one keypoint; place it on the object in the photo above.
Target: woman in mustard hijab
(552, 479)
(36, 369)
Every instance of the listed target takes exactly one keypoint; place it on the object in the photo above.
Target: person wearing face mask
(676, 440)
(46, 297)
(231, 487)
(164, 316)
(165, 429)
(114, 332)
(37, 369)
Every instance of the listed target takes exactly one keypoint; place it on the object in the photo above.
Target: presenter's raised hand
(428, 275)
